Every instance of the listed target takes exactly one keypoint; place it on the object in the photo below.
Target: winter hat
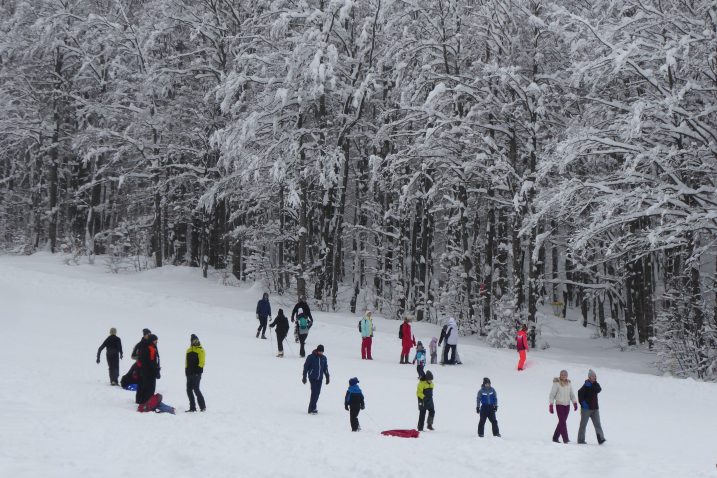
(113, 331)
(320, 348)
(265, 296)
(193, 338)
(152, 338)
(429, 375)
(353, 381)
(591, 373)
(146, 332)
(420, 343)
(486, 380)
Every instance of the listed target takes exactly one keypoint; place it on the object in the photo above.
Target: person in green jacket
(193, 369)
(424, 392)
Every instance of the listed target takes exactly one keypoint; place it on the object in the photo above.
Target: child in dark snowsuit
(420, 359)
(113, 344)
(354, 403)
(486, 406)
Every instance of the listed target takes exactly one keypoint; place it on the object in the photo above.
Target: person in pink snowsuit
(407, 340)
(522, 346)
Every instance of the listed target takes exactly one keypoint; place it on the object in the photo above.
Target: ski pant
(452, 350)
(422, 409)
(193, 389)
(521, 361)
(487, 413)
(164, 408)
(366, 348)
(302, 342)
(315, 392)
(585, 415)
(562, 429)
(353, 417)
(113, 364)
(262, 326)
(405, 351)
(280, 340)
(434, 357)
(419, 369)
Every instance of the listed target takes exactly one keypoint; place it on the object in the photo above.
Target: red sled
(150, 404)
(401, 433)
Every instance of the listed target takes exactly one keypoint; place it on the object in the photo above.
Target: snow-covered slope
(60, 417)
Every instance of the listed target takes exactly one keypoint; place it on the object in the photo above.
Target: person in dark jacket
(130, 380)
(424, 393)
(300, 307)
(193, 369)
(113, 344)
(315, 367)
(263, 312)
(354, 403)
(145, 337)
(149, 368)
(282, 329)
(486, 406)
(588, 398)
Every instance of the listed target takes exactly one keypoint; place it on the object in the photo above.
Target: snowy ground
(60, 417)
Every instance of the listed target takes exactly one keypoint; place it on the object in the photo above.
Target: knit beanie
(113, 331)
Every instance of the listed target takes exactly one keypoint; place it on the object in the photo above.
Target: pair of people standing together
(301, 315)
(561, 395)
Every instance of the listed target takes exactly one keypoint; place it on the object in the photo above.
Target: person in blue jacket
(315, 367)
(354, 403)
(263, 312)
(486, 406)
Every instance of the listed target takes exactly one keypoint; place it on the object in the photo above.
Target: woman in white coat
(561, 395)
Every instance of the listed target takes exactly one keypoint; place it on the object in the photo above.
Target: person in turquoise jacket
(366, 329)
(420, 359)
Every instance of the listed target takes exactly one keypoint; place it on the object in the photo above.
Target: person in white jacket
(561, 395)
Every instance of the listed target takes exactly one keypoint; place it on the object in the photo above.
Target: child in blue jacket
(486, 406)
(420, 358)
(354, 403)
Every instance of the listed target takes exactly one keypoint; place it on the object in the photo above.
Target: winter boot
(430, 425)
(257, 334)
(191, 410)
(263, 337)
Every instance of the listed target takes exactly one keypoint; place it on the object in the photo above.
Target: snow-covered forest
(473, 158)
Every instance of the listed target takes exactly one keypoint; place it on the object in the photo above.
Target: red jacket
(150, 404)
(522, 341)
(407, 338)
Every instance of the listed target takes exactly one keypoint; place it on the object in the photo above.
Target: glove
(550, 409)
(584, 404)
(363, 406)
(346, 407)
(478, 410)
(420, 404)
(121, 356)
(575, 406)
(413, 363)
(158, 375)
(327, 380)
(98, 360)
(303, 380)
(495, 408)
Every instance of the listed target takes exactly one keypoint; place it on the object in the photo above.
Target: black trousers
(113, 364)
(452, 350)
(262, 325)
(302, 341)
(146, 387)
(353, 417)
(280, 340)
(422, 415)
(193, 389)
(487, 413)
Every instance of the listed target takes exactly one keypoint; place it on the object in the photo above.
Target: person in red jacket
(407, 340)
(522, 346)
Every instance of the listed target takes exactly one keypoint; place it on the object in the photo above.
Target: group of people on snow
(146, 370)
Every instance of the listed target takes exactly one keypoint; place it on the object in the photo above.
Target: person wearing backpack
(263, 312)
(354, 403)
(282, 328)
(408, 341)
(366, 329)
(303, 324)
(522, 346)
(301, 307)
(113, 344)
(486, 407)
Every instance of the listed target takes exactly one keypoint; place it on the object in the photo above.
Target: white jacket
(562, 394)
(453, 329)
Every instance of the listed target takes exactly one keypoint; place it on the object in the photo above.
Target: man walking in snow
(315, 367)
(263, 312)
(589, 409)
(113, 344)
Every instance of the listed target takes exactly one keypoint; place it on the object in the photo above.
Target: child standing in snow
(486, 406)
(420, 358)
(433, 347)
(354, 403)
(424, 392)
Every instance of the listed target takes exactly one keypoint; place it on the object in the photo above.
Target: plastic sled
(401, 433)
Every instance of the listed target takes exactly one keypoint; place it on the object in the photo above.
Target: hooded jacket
(316, 366)
(486, 396)
(561, 394)
(452, 332)
(263, 308)
(281, 323)
(588, 395)
(194, 362)
(354, 397)
(366, 327)
(424, 392)
(522, 340)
